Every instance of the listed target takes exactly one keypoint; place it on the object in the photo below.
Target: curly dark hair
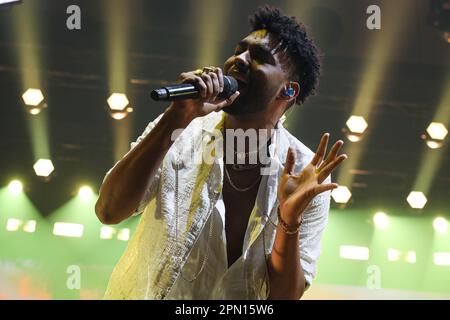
(303, 55)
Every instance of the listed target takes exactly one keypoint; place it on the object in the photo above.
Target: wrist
(179, 115)
(289, 225)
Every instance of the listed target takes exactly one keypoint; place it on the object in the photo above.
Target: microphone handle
(175, 92)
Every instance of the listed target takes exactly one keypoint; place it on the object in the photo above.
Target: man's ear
(289, 91)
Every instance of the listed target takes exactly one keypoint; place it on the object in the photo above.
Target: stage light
(15, 187)
(43, 167)
(356, 125)
(9, 2)
(341, 194)
(30, 226)
(13, 224)
(118, 105)
(410, 257)
(85, 193)
(393, 254)
(437, 130)
(440, 225)
(118, 101)
(124, 234)
(68, 229)
(33, 99)
(435, 135)
(441, 258)
(354, 252)
(416, 199)
(381, 220)
(107, 232)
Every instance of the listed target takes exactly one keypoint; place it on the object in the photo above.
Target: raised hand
(209, 80)
(296, 190)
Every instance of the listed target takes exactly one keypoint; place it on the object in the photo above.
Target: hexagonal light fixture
(118, 101)
(119, 106)
(33, 97)
(356, 124)
(43, 167)
(417, 199)
(435, 135)
(34, 101)
(341, 194)
(437, 131)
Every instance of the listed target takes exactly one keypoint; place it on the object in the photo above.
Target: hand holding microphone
(200, 92)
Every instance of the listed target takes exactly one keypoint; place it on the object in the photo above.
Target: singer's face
(258, 67)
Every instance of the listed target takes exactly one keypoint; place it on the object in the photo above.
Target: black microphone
(190, 91)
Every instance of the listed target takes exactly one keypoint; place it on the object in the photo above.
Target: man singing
(227, 230)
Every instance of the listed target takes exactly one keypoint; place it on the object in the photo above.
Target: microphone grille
(230, 86)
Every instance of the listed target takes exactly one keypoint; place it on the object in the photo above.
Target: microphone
(190, 91)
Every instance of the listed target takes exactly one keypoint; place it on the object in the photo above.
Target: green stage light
(107, 232)
(30, 226)
(15, 187)
(440, 225)
(441, 258)
(393, 254)
(68, 229)
(124, 234)
(381, 220)
(410, 257)
(354, 252)
(13, 224)
(85, 193)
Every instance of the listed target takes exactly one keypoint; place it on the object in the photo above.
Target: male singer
(226, 230)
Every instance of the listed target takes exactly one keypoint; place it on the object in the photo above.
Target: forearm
(125, 185)
(286, 278)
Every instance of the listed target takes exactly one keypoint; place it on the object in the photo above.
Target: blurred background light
(107, 232)
(410, 257)
(417, 199)
(435, 135)
(440, 225)
(30, 226)
(341, 194)
(354, 252)
(381, 220)
(118, 105)
(442, 258)
(66, 229)
(13, 224)
(124, 234)
(15, 187)
(393, 254)
(43, 167)
(85, 193)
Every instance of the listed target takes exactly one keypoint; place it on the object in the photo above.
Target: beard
(251, 100)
